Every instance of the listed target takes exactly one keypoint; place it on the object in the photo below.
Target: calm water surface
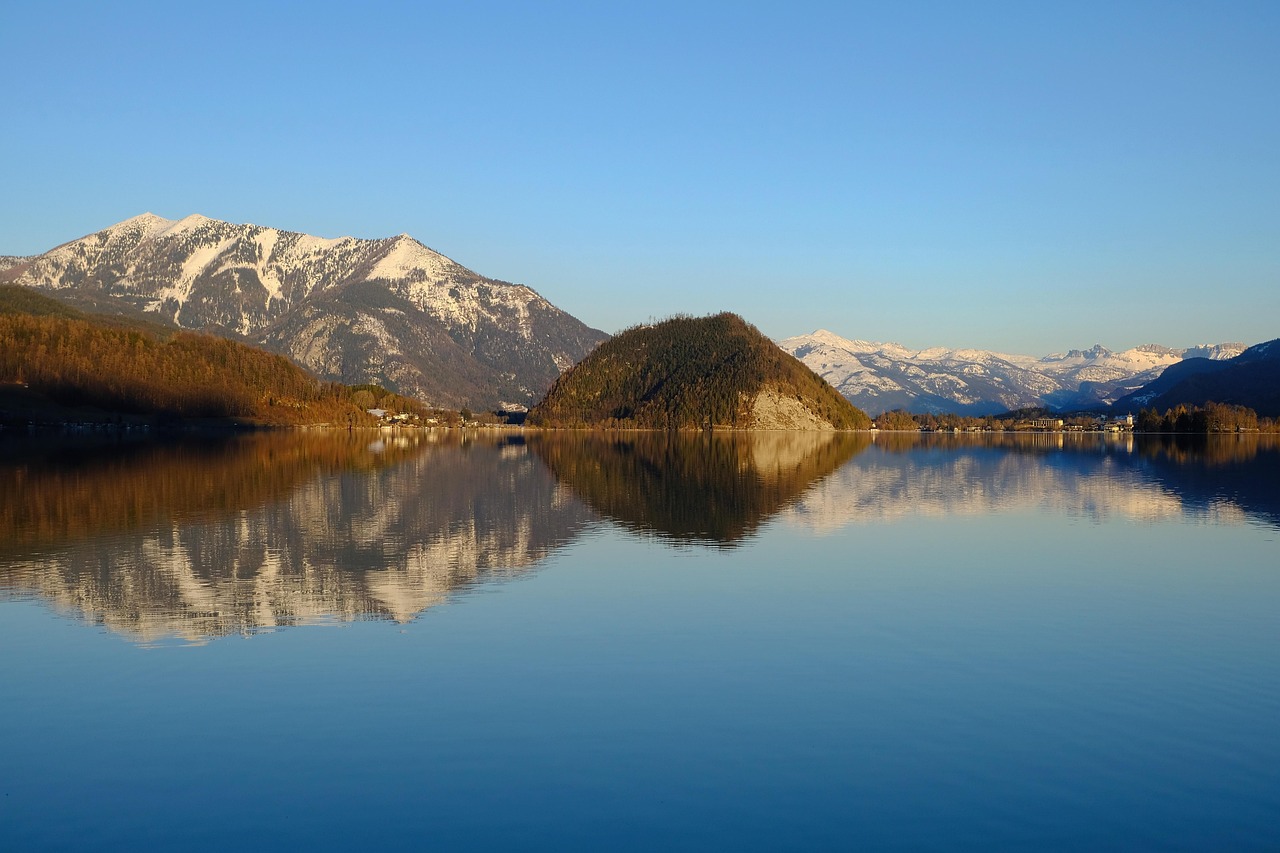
(556, 642)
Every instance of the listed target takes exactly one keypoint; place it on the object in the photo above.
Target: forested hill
(57, 364)
(686, 372)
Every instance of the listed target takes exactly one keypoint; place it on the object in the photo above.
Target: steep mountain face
(1250, 379)
(391, 311)
(694, 373)
(879, 377)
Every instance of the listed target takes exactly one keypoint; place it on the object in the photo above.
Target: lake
(638, 641)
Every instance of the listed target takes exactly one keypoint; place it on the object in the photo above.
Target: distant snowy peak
(882, 376)
(1215, 352)
(1094, 352)
(823, 337)
(829, 341)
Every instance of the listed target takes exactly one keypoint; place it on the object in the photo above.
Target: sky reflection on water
(900, 644)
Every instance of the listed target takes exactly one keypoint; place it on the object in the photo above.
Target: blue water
(929, 647)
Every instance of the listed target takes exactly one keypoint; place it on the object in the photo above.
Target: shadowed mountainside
(1251, 379)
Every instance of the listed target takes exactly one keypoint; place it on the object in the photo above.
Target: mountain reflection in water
(198, 539)
(201, 539)
(1227, 479)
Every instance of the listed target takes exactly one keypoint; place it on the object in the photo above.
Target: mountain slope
(1250, 379)
(687, 372)
(391, 312)
(58, 365)
(880, 377)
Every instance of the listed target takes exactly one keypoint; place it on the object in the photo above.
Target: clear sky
(1022, 176)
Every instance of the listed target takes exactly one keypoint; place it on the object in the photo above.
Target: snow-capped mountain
(388, 311)
(879, 377)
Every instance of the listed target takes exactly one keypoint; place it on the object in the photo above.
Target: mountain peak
(390, 312)
(828, 337)
(146, 217)
(145, 221)
(1094, 352)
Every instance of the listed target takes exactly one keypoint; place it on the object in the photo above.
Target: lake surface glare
(641, 641)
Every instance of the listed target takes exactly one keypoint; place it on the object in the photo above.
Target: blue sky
(1029, 177)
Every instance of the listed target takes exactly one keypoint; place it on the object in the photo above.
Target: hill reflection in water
(712, 488)
(197, 539)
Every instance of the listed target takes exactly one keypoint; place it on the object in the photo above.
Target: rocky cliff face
(391, 312)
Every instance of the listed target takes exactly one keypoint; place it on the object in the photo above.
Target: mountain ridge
(388, 311)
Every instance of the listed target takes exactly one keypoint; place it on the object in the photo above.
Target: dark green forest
(685, 373)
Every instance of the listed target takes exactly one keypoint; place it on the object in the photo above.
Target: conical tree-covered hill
(687, 372)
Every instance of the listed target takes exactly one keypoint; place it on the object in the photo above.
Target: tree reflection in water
(698, 487)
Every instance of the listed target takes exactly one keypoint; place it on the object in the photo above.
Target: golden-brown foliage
(79, 361)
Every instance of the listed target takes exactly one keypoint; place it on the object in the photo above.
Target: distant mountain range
(391, 312)
(880, 377)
